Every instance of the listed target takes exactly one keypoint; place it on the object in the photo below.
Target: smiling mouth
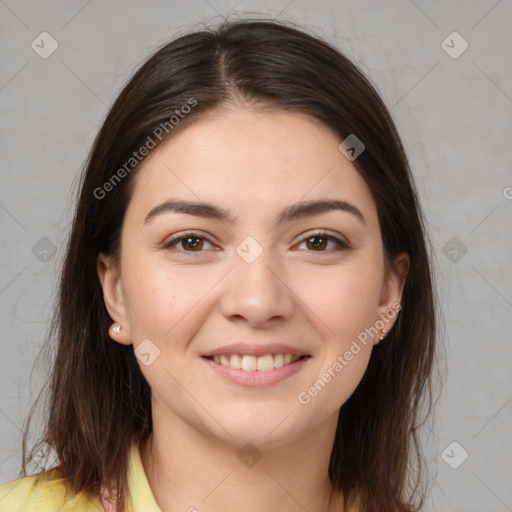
(251, 363)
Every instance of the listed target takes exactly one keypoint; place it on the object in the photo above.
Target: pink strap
(105, 500)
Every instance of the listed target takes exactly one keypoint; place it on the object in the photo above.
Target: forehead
(250, 161)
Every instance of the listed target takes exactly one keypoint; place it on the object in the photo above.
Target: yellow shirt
(49, 495)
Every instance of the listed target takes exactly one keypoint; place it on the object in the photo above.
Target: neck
(191, 471)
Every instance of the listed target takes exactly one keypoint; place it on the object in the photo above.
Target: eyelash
(341, 245)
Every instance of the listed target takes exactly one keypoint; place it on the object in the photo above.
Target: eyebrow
(288, 214)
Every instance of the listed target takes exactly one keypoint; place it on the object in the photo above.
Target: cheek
(160, 296)
(337, 381)
(345, 300)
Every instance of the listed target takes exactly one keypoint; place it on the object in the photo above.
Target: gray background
(454, 115)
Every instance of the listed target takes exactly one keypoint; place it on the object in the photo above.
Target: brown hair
(99, 401)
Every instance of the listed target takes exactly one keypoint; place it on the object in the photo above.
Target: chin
(265, 430)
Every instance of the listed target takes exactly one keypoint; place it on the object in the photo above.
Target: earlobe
(117, 333)
(110, 280)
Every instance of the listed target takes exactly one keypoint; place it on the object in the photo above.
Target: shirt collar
(141, 496)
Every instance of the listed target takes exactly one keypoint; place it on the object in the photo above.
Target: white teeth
(265, 363)
(251, 363)
(236, 362)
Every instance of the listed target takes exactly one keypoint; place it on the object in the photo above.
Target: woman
(246, 316)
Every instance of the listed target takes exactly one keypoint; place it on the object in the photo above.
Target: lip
(257, 350)
(257, 378)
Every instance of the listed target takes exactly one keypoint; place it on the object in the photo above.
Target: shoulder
(44, 492)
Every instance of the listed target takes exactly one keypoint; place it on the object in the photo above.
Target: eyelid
(174, 239)
(341, 244)
(340, 241)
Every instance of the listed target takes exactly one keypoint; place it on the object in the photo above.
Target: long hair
(98, 399)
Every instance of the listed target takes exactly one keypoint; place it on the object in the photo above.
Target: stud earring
(117, 328)
(384, 332)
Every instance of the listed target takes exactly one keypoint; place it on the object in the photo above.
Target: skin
(307, 295)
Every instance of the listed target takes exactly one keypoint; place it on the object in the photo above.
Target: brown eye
(189, 242)
(194, 242)
(318, 242)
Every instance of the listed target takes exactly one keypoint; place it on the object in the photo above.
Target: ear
(392, 289)
(110, 279)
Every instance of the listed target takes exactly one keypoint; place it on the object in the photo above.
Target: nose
(257, 292)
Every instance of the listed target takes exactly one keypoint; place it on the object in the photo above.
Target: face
(264, 297)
